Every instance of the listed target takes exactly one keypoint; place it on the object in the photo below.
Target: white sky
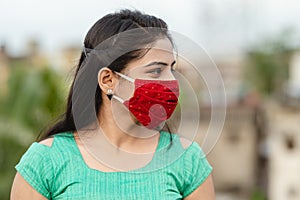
(216, 24)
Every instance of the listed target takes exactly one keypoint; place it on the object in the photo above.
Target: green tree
(34, 98)
(268, 64)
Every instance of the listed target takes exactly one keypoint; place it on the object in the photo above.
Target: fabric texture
(153, 101)
(59, 172)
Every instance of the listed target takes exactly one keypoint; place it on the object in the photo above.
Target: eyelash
(160, 70)
(155, 71)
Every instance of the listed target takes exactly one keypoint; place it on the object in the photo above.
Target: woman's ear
(106, 80)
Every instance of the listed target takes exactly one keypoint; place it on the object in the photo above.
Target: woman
(128, 58)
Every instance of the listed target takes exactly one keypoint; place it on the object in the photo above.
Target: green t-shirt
(59, 172)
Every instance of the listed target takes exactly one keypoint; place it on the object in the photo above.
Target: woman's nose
(169, 75)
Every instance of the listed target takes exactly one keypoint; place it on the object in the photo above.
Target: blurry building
(284, 138)
(67, 59)
(232, 70)
(34, 56)
(259, 148)
(284, 151)
(294, 76)
(235, 156)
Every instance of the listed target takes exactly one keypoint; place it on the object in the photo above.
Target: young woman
(110, 142)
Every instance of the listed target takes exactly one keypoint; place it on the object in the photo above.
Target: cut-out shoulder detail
(48, 142)
(185, 142)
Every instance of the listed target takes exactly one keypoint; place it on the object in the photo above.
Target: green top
(59, 172)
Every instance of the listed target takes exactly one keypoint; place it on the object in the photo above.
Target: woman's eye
(156, 71)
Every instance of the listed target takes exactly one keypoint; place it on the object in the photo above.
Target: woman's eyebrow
(159, 63)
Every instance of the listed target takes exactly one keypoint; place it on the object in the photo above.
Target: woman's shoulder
(50, 146)
(184, 151)
(63, 137)
(188, 163)
(39, 163)
(189, 147)
(47, 142)
(45, 153)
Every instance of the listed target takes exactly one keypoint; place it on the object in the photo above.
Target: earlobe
(109, 93)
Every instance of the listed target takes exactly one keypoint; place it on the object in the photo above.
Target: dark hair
(105, 28)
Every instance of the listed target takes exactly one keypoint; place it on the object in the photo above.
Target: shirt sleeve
(197, 169)
(36, 168)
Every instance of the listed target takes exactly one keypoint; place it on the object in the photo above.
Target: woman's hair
(105, 28)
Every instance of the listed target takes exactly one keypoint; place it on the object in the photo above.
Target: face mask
(153, 101)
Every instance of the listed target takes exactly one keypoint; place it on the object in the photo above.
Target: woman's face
(157, 64)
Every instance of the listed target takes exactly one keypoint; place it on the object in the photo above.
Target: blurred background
(255, 44)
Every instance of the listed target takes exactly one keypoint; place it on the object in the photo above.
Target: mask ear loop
(126, 78)
(117, 98)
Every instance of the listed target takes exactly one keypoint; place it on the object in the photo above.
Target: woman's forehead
(164, 44)
(160, 51)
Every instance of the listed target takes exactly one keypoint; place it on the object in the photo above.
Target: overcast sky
(216, 24)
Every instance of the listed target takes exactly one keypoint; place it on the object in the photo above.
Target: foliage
(258, 195)
(268, 66)
(34, 97)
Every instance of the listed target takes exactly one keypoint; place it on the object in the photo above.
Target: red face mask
(153, 101)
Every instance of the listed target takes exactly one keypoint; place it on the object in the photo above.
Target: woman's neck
(125, 134)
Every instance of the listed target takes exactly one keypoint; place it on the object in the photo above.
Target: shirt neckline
(158, 147)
